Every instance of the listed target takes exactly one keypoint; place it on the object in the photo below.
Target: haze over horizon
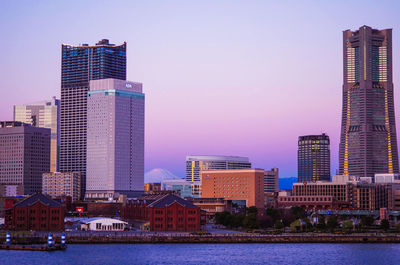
(220, 78)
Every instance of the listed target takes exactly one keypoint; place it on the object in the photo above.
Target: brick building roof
(38, 197)
(169, 199)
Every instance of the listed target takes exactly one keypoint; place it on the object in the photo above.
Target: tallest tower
(368, 142)
(79, 65)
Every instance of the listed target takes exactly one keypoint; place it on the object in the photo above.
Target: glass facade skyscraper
(368, 143)
(313, 158)
(79, 65)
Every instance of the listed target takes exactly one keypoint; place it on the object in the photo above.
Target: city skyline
(248, 70)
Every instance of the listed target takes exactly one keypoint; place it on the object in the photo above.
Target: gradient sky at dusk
(221, 77)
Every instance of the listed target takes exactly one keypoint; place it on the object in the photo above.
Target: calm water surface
(211, 254)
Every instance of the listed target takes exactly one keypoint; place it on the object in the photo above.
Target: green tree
(237, 220)
(296, 225)
(348, 225)
(308, 225)
(279, 224)
(287, 217)
(265, 221)
(250, 221)
(321, 222)
(367, 221)
(222, 218)
(297, 212)
(398, 227)
(273, 213)
(332, 222)
(385, 225)
(251, 210)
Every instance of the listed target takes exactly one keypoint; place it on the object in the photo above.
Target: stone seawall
(160, 239)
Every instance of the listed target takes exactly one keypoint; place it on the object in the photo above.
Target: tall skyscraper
(368, 142)
(44, 114)
(115, 143)
(313, 158)
(24, 156)
(195, 164)
(79, 65)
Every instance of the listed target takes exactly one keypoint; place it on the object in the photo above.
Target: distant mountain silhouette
(287, 183)
(157, 175)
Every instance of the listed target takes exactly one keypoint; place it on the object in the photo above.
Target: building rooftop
(314, 137)
(217, 158)
(169, 199)
(10, 124)
(241, 170)
(86, 221)
(103, 42)
(38, 197)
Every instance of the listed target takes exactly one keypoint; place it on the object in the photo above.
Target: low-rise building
(152, 187)
(56, 184)
(182, 187)
(235, 184)
(103, 224)
(37, 212)
(166, 212)
(211, 206)
(344, 192)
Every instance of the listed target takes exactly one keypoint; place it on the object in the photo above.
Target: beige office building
(234, 184)
(56, 184)
(44, 114)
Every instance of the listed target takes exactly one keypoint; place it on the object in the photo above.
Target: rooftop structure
(195, 164)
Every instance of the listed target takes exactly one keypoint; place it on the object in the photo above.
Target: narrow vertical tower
(115, 139)
(314, 162)
(368, 142)
(79, 65)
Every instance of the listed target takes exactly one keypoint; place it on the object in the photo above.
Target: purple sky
(221, 77)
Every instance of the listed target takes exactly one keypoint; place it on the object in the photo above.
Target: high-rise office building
(44, 114)
(313, 158)
(79, 65)
(195, 164)
(115, 143)
(271, 180)
(368, 142)
(24, 156)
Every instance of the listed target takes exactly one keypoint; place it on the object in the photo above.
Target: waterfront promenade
(162, 238)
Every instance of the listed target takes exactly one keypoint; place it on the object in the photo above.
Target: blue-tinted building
(183, 187)
(314, 158)
(79, 65)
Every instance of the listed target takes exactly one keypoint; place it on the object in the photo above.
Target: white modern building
(103, 224)
(195, 164)
(387, 178)
(115, 139)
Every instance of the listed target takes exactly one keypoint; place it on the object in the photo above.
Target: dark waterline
(211, 254)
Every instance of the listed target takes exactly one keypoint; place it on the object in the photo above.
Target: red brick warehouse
(165, 213)
(37, 213)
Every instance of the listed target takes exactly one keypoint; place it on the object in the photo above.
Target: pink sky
(230, 78)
